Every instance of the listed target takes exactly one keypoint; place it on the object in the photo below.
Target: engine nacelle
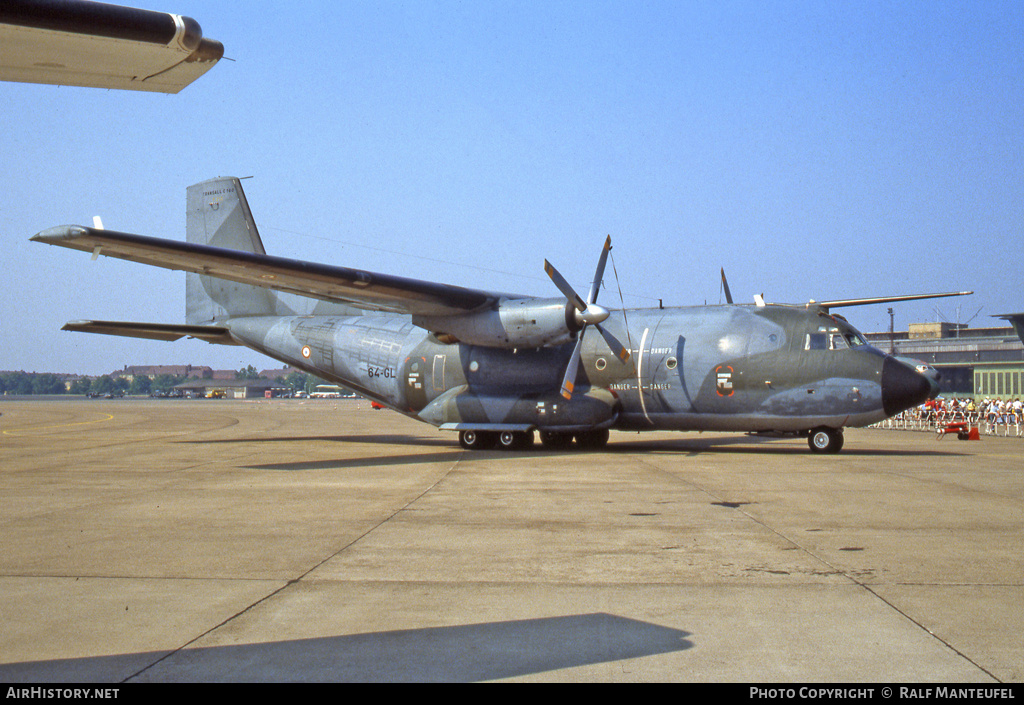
(514, 323)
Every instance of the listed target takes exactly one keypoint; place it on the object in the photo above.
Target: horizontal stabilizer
(361, 289)
(153, 331)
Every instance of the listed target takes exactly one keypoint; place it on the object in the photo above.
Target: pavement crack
(832, 569)
(294, 581)
(931, 633)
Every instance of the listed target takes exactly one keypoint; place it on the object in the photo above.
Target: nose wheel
(825, 440)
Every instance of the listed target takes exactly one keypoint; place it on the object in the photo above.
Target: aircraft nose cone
(903, 387)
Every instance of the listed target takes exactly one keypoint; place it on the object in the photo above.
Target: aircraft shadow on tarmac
(688, 446)
(383, 439)
(474, 652)
(759, 446)
(363, 462)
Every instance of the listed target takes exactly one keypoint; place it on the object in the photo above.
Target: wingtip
(58, 233)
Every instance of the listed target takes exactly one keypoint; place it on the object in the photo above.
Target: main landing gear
(825, 439)
(486, 440)
(522, 440)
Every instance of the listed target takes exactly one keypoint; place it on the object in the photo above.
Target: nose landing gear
(825, 439)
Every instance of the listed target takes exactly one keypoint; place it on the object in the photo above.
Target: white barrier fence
(992, 423)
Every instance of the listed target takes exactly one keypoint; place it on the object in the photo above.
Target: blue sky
(814, 149)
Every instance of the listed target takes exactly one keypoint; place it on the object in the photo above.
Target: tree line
(49, 383)
(25, 383)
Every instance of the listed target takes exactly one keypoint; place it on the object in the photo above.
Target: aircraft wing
(75, 43)
(826, 305)
(367, 290)
(153, 331)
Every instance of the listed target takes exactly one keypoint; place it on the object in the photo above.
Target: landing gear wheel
(592, 440)
(555, 440)
(515, 440)
(825, 440)
(477, 440)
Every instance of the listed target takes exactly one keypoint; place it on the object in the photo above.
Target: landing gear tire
(825, 440)
(592, 440)
(515, 440)
(555, 440)
(477, 440)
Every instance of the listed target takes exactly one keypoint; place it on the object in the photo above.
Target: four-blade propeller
(587, 313)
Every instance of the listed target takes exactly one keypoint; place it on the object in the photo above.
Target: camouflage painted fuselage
(743, 368)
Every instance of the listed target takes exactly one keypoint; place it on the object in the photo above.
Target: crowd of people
(991, 417)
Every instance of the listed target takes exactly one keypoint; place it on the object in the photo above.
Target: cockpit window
(855, 339)
(816, 341)
(834, 338)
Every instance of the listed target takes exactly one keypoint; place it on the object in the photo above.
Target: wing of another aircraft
(74, 43)
(366, 290)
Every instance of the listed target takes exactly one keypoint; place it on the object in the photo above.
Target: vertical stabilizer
(217, 214)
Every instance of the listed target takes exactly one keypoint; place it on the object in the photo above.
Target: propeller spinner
(588, 313)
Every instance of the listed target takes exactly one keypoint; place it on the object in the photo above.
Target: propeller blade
(599, 274)
(565, 287)
(588, 313)
(569, 380)
(617, 348)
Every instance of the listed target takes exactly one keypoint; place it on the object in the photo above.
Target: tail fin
(217, 214)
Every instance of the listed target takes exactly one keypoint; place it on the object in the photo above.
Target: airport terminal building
(978, 362)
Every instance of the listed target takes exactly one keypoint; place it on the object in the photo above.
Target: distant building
(279, 373)
(232, 388)
(978, 362)
(130, 372)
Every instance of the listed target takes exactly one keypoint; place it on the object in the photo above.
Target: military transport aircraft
(499, 367)
(94, 44)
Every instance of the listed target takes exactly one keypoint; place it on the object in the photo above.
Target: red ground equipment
(964, 431)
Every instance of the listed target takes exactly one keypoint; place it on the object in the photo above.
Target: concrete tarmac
(319, 540)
